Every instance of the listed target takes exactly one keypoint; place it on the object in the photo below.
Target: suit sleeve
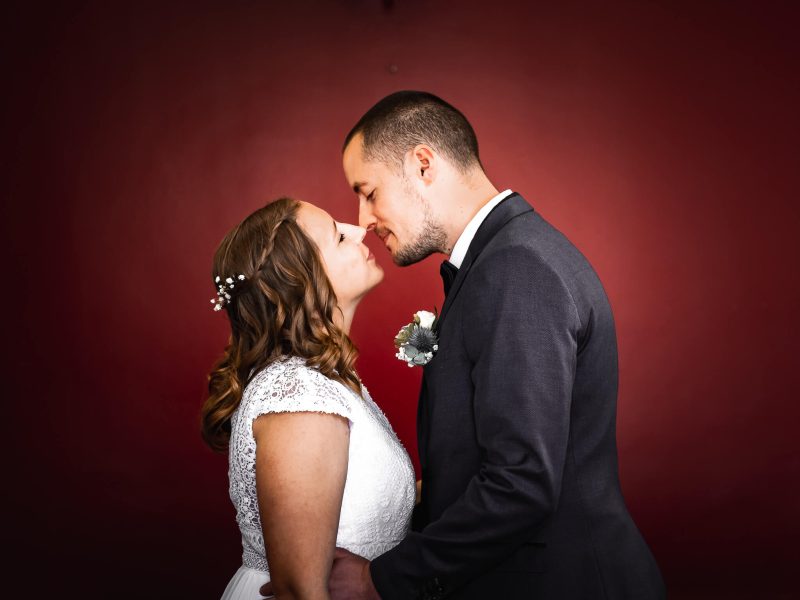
(520, 327)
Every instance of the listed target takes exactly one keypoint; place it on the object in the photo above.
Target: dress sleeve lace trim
(291, 386)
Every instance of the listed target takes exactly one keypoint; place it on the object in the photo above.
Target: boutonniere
(416, 343)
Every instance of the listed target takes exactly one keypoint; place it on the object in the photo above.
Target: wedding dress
(379, 489)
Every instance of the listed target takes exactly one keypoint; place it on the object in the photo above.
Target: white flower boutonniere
(416, 343)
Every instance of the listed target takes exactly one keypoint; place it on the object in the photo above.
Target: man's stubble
(431, 237)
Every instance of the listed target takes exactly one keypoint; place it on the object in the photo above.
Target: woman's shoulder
(296, 374)
(289, 384)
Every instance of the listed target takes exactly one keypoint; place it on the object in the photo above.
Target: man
(517, 412)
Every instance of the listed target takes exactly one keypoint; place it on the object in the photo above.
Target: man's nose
(365, 217)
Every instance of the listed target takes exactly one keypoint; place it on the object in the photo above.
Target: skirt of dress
(244, 585)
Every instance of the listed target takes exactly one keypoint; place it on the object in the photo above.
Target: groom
(517, 412)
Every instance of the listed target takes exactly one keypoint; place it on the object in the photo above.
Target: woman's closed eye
(341, 237)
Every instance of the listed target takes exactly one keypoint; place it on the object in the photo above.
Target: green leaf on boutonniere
(403, 335)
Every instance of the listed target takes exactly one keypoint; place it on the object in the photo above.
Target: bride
(313, 462)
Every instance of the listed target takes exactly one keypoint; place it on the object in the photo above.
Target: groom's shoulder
(530, 239)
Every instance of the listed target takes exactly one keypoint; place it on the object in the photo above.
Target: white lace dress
(379, 490)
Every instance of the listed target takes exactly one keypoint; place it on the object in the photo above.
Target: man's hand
(349, 580)
(266, 589)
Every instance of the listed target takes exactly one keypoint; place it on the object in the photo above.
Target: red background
(660, 137)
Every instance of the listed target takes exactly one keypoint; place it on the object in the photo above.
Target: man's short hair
(405, 119)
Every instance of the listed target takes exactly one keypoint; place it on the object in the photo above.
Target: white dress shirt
(465, 239)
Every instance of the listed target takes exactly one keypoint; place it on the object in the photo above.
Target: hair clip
(223, 291)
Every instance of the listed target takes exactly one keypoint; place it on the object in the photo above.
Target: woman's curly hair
(284, 307)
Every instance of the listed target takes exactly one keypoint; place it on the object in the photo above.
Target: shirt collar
(464, 240)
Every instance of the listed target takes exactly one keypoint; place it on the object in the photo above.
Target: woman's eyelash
(341, 238)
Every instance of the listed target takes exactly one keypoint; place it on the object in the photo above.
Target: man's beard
(430, 239)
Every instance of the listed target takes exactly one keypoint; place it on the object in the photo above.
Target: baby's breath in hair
(224, 291)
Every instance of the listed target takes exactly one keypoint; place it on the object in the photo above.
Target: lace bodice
(379, 490)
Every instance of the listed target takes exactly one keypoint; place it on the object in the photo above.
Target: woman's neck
(343, 318)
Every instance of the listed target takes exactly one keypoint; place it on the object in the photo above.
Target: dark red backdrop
(660, 137)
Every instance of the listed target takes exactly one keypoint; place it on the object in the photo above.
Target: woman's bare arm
(301, 467)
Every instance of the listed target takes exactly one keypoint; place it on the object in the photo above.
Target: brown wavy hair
(284, 307)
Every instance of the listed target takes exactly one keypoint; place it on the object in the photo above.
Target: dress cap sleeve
(296, 387)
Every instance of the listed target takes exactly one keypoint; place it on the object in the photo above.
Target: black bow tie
(448, 272)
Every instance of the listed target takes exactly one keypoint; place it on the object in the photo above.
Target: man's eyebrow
(357, 186)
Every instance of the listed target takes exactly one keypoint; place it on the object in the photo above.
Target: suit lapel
(501, 214)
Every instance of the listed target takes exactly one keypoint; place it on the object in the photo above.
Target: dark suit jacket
(516, 427)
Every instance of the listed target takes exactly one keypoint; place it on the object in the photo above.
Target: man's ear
(423, 163)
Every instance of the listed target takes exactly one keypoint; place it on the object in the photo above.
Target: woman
(313, 462)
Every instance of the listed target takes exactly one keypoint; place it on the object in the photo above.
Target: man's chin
(406, 260)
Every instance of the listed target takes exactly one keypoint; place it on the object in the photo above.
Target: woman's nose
(357, 233)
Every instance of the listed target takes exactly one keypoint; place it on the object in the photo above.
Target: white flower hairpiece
(223, 291)
(417, 342)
